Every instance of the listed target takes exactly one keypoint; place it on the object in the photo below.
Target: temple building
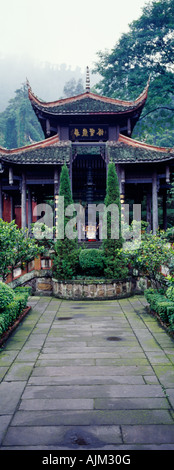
(86, 132)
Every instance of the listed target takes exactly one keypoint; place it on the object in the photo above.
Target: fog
(47, 80)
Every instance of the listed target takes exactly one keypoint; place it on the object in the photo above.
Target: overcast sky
(64, 31)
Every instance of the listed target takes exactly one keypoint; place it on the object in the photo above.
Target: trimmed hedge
(91, 261)
(170, 293)
(162, 309)
(13, 308)
(162, 305)
(6, 295)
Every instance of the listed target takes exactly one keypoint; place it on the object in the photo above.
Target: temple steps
(93, 244)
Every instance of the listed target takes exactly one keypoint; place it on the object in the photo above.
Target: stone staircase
(90, 244)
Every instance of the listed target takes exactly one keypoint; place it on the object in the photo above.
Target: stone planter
(42, 283)
(94, 290)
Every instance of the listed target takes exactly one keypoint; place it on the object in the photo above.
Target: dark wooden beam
(1, 203)
(29, 208)
(23, 202)
(154, 202)
(148, 210)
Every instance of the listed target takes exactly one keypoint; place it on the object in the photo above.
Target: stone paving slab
(90, 417)
(93, 391)
(87, 375)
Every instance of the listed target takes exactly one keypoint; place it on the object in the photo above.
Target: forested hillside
(147, 50)
(18, 123)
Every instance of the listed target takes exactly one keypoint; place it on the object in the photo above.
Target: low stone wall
(97, 290)
(42, 283)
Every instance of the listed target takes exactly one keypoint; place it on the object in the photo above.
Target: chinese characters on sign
(88, 133)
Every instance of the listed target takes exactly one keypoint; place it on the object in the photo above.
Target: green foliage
(112, 197)
(73, 87)
(152, 253)
(43, 235)
(65, 186)
(116, 266)
(162, 309)
(65, 259)
(15, 247)
(21, 298)
(66, 256)
(113, 256)
(6, 295)
(170, 293)
(12, 305)
(145, 50)
(23, 289)
(160, 304)
(170, 312)
(91, 262)
(19, 124)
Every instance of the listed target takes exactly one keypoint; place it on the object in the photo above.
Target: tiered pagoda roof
(53, 151)
(127, 150)
(49, 151)
(87, 103)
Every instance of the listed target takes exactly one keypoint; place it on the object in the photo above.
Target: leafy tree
(15, 247)
(115, 263)
(65, 259)
(19, 125)
(153, 252)
(73, 88)
(146, 50)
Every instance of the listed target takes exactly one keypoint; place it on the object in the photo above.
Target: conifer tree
(112, 245)
(66, 256)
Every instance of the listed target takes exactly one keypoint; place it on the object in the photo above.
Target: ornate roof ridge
(136, 143)
(41, 144)
(88, 94)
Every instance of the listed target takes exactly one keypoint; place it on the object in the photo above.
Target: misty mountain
(47, 80)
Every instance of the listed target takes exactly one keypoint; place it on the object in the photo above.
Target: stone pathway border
(87, 375)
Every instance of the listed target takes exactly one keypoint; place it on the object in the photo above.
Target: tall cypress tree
(112, 247)
(66, 256)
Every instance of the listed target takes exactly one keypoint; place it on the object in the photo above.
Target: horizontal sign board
(88, 133)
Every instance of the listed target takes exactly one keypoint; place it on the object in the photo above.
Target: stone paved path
(87, 375)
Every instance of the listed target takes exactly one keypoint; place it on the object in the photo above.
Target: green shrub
(12, 310)
(114, 262)
(66, 251)
(170, 311)
(2, 323)
(6, 295)
(65, 259)
(170, 293)
(22, 300)
(162, 309)
(148, 293)
(153, 298)
(15, 247)
(91, 261)
(160, 303)
(171, 321)
(22, 289)
(116, 266)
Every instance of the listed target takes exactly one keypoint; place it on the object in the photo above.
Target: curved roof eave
(112, 101)
(41, 144)
(127, 150)
(137, 143)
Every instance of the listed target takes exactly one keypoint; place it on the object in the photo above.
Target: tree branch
(156, 109)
